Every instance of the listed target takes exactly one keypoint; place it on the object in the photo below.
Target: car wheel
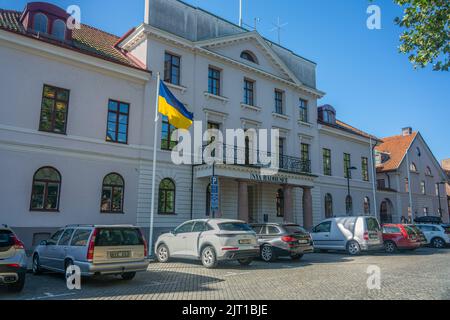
(267, 253)
(17, 286)
(36, 265)
(163, 254)
(390, 247)
(128, 276)
(209, 258)
(297, 257)
(353, 248)
(438, 243)
(245, 262)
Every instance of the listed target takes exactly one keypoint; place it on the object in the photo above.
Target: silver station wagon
(96, 250)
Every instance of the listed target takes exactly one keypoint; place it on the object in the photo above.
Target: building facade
(409, 179)
(446, 167)
(77, 126)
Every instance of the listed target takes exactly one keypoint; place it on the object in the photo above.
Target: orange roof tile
(396, 148)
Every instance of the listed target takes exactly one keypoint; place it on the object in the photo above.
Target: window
(279, 96)
(81, 238)
(208, 200)
(324, 227)
(40, 23)
(185, 228)
(118, 115)
(437, 190)
(347, 165)
(305, 152)
(54, 239)
(249, 92)
(272, 230)
(365, 168)
(327, 162)
(280, 203)
(172, 65)
(59, 30)
(46, 190)
(328, 206)
(55, 102)
(381, 183)
(281, 143)
(413, 167)
(423, 187)
(167, 141)
(303, 110)
(426, 212)
(166, 197)
(112, 194)
(214, 81)
(65, 238)
(428, 172)
(406, 185)
(366, 206)
(249, 56)
(349, 205)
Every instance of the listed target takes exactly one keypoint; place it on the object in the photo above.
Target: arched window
(429, 171)
(46, 190)
(280, 203)
(40, 23)
(112, 193)
(366, 206)
(59, 29)
(349, 205)
(328, 206)
(249, 56)
(166, 202)
(208, 200)
(413, 167)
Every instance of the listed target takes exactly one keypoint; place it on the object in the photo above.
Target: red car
(399, 237)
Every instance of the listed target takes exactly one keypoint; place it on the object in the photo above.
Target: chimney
(147, 12)
(407, 131)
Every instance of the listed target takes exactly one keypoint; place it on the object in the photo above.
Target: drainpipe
(192, 193)
(409, 185)
(372, 165)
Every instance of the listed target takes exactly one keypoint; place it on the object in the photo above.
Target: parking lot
(423, 274)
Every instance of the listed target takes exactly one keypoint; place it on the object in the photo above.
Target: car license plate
(119, 254)
(245, 241)
(303, 241)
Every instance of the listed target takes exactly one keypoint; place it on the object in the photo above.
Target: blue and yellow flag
(169, 106)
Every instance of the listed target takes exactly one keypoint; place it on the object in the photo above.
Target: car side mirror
(44, 243)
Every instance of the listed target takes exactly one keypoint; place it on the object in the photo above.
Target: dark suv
(282, 240)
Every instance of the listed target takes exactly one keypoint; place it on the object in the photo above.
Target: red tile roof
(87, 40)
(396, 148)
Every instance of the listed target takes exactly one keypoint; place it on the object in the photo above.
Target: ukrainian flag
(169, 106)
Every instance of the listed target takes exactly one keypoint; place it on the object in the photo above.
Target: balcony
(232, 155)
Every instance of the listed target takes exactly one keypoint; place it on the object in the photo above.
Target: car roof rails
(79, 225)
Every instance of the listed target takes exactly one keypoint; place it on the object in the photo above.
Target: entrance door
(252, 213)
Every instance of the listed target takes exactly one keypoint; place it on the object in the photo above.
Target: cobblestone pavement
(423, 274)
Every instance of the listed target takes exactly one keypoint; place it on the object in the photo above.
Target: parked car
(209, 240)
(428, 220)
(399, 237)
(437, 235)
(13, 260)
(282, 240)
(420, 235)
(96, 249)
(353, 234)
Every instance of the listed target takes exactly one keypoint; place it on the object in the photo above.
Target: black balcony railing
(233, 155)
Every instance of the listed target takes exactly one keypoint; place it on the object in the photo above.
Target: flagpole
(155, 142)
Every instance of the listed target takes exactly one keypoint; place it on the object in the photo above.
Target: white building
(76, 124)
(411, 182)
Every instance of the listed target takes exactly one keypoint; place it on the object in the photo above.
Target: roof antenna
(278, 27)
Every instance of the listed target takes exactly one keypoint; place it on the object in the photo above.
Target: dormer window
(249, 56)
(40, 23)
(327, 114)
(59, 30)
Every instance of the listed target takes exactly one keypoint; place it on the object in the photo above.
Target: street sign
(214, 194)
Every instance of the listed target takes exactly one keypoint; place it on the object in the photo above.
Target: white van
(353, 234)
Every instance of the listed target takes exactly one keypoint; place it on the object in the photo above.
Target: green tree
(426, 35)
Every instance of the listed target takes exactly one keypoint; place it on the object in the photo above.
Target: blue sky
(371, 85)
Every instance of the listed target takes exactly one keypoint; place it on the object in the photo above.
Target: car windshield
(234, 226)
(295, 229)
(6, 240)
(446, 228)
(111, 237)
